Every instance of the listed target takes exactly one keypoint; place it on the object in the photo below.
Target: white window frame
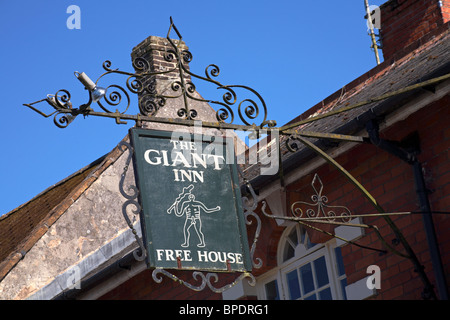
(302, 257)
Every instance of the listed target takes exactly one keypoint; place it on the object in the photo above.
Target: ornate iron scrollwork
(116, 101)
(132, 200)
(319, 208)
(204, 278)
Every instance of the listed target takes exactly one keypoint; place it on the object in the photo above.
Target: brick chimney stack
(156, 54)
(407, 24)
(156, 51)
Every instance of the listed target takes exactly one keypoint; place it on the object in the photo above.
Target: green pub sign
(191, 217)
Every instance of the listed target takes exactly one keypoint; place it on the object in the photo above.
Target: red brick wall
(391, 182)
(445, 8)
(405, 22)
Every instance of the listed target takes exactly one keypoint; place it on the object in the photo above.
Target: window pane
(343, 285)
(320, 267)
(294, 287)
(325, 294)
(308, 243)
(293, 236)
(313, 297)
(339, 261)
(288, 252)
(303, 236)
(307, 278)
(272, 290)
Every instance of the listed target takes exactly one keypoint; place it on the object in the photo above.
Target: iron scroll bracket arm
(132, 200)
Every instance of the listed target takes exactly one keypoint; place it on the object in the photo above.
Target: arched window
(295, 243)
(306, 271)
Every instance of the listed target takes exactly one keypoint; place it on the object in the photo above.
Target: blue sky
(294, 53)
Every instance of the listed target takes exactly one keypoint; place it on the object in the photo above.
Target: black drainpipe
(409, 156)
(430, 232)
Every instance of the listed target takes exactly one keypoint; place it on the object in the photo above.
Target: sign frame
(153, 154)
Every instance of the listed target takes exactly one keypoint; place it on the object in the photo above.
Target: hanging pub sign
(191, 215)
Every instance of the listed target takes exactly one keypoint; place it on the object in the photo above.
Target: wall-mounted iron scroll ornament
(252, 115)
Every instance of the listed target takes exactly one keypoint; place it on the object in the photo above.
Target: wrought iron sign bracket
(249, 110)
(114, 101)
